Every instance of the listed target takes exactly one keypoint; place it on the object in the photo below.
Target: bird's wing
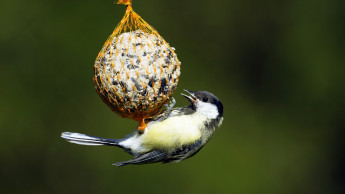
(150, 157)
(185, 152)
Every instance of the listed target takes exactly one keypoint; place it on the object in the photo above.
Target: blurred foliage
(277, 66)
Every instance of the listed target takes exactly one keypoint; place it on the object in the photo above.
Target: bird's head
(205, 103)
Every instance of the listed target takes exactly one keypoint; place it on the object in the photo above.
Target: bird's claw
(169, 106)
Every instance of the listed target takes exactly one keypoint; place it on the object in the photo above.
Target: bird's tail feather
(83, 139)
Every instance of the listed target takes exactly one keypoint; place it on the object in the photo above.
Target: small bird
(172, 136)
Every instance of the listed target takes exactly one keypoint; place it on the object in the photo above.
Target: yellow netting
(136, 71)
(126, 2)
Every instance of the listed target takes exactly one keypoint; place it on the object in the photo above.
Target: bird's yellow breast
(173, 132)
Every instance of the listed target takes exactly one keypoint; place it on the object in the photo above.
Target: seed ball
(136, 73)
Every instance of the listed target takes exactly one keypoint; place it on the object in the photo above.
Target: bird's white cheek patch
(207, 109)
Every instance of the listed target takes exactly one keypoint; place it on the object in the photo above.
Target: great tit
(172, 136)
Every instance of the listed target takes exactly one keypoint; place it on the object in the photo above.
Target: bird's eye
(205, 99)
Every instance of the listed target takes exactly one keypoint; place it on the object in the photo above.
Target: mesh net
(136, 71)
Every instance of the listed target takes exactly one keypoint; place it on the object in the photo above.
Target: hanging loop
(126, 2)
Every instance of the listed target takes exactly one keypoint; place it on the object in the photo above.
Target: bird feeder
(136, 71)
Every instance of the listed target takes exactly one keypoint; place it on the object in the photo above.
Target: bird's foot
(170, 105)
(142, 126)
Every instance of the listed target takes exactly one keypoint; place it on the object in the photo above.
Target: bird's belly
(173, 132)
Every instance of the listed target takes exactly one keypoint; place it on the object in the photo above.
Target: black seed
(144, 76)
(174, 69)
(110, 93)
(135, 97)
(124, 85)
(144, 54)
(99, 79)
(151, 82)
(140, 106)
(144, 92)
(170, 55)
(123, 54)
(117, 99)
(127, 99)
(115, 82)
(169, 77)
(163, 87)
(138, 86)
(132, 110)
(167, 61)
(132, 66)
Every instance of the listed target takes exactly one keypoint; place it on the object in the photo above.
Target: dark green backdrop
(277, 66)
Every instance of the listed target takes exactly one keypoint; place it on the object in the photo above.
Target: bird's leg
(142, 125)
(169, 107)
(159, 116)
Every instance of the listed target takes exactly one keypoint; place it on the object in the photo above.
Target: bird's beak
(191, 96)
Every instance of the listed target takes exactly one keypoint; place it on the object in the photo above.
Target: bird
(172, 136)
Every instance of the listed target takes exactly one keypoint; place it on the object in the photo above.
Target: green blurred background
(277, 66)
